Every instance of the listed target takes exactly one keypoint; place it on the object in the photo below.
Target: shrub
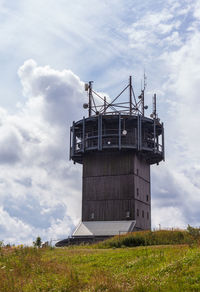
(38, 242)
(133, 241)
(193, 232)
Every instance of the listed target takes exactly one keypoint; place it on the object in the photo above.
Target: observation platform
(117, 132)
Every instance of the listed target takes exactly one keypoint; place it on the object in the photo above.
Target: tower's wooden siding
(115, 183)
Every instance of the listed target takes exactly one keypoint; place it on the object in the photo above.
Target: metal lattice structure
(131, 107)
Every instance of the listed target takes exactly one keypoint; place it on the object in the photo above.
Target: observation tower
(116, 144)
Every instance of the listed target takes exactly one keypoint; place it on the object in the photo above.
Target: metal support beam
(138, 132)
(154, 134)
(157, 142)
(73, 139)
(120, 131)
(104, 105)
(83, 137)
(154, 106)
(70, 143)
(142, 102)
(163, 142)
(100, 132)
(90, 99)
(130, 94)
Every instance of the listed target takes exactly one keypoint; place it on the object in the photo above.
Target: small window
(142, 213)
(137, 192)
(138, 212)
(127, 214)
(147, 198)
(147, 215)
(92, 215)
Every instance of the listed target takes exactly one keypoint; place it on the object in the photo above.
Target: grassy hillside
(146, 238)
(153, 268)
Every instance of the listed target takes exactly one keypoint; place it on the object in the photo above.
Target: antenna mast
(130, 94)
(154, 106)
(142, 95)
(104, 105)
(90, 98)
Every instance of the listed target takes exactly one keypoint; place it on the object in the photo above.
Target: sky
(48, 50)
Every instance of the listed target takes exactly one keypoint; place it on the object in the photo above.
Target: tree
(38, 242)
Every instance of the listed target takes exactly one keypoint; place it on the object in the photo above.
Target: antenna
(90, 98)
(145, 80)
(130, 94)
(131, 107)
(154, 105)
(142, 94)
(154, 113)
(104, 105)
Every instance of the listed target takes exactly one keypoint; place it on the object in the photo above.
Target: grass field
(158, 268)
(144, 268)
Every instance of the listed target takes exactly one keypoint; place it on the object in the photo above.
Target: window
(92, 215)
(147, 198)
(142, 213)
(138, 212)
(137, 192)
(127, 214)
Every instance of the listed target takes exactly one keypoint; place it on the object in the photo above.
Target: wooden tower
(116, 144)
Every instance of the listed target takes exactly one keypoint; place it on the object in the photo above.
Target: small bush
(133, 241)
(38, 242)
(194, 232)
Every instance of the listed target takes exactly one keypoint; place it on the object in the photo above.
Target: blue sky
(48, 49)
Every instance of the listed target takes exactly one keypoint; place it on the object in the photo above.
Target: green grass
(145, 238)
(152, 268)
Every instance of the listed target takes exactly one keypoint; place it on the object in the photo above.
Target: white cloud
(179, 176)
(167, 40)
(152, 29)
(38, 185)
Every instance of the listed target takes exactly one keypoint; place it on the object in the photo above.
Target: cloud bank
(40, 188)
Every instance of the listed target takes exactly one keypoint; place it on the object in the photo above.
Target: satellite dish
(124, 132)
(146, 107)
(85, 105)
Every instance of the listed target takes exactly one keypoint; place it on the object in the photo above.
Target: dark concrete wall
(115, 183)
